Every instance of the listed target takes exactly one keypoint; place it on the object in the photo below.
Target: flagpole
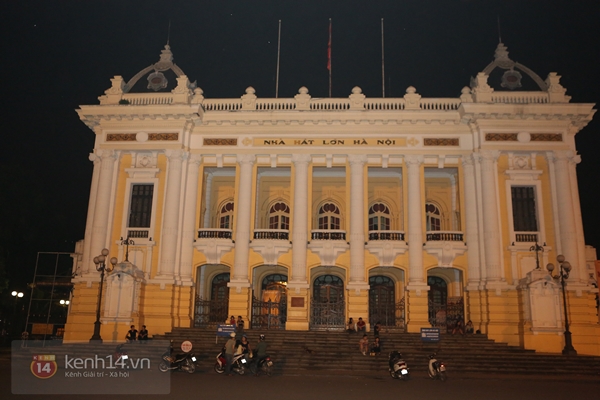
(329, 57)
(382, 63)
(278, 56)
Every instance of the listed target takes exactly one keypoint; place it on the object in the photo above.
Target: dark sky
(60, 54)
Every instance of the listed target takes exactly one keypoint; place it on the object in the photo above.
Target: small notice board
(430, 334)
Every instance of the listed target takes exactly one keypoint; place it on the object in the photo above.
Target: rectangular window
(140, 209)
(524, 209)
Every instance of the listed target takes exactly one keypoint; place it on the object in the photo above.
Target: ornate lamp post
(537, 248)
(101, 266)
(565, 268)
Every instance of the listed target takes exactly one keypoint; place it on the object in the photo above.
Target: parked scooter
(437, 369)
(120, 357)
(240, 362)
(265, 366)
(184, 361)
(397, 366)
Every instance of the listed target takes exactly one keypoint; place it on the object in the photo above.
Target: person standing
(376, 329)
(229, 350)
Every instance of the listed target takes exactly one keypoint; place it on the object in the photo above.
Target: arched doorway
(382, 302)
(269, 309)
(327, 303)
(437, 296)
(214, 310)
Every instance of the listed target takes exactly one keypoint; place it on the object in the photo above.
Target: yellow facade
(410, 212)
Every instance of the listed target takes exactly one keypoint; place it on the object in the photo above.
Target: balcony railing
(272, 234)
(137, 234)
(386, 235)
(214, 233)
(327, 234)
(530, 237)
(444, 236)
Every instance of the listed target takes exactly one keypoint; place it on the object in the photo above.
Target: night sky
(61, 54)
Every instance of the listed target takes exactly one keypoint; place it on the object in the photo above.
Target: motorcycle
(397, 366)
(180, 362)
(437, 369)
(264, 365)
(120, 356)
(240, 361)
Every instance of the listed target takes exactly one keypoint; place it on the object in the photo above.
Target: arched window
(329, 216)
(279, 216)
(274, 282)
(434, 217)
(379, 217)
(328, 289)
(219, 289)
(226, 216)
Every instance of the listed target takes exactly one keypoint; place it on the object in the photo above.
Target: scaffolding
(50, 295)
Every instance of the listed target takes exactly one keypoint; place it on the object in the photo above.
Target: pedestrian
(131, 334)
(376, 329)
(240, 324)
(363, 345)
(229, 350)
(361, 325)
(376, 347)
(232, 320)
(351, 327)
(143, 335)
(469, 329)
(458, 328)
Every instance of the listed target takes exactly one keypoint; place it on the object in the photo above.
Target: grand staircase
(336, 352)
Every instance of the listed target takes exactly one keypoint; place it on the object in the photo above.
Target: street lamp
(537, 248)
(565, 268)
(101, 266)
(17, 296)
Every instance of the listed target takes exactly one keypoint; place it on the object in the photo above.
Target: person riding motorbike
(261, 351)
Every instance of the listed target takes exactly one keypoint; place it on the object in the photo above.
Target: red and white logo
(186, 346)
(44, 366)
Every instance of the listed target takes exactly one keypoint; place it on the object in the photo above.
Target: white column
(415, 209)
(566, 214)
(472, 229)
(243, 206)
(102, 206)
(580, 264)
(491, 225)
(87, 243)
(170, 225)
(300, 219)
(357, 219)
(207, 202)
(189, 217)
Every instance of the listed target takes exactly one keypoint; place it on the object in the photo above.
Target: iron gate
(269, 314)
(210, 312)
(388, 315)
(445, 316)
(327, 315)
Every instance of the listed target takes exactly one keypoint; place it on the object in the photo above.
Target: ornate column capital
(174, 154)
(195, 159)
(105, 153)
(357, 159)
(414, 160)
(301, 158)
(246, 159)
(468, 160)
(487, 155)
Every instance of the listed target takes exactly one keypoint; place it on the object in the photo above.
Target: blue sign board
(430, 334)
(225, 330)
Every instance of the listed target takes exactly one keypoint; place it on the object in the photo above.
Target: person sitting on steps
(361, 326)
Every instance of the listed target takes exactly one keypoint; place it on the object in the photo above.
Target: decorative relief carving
(513, 137)
(501, 137)
(163, 136)
(220, 142)
(132, 137)
(121, 137)
(546, 137)
(440, 142)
